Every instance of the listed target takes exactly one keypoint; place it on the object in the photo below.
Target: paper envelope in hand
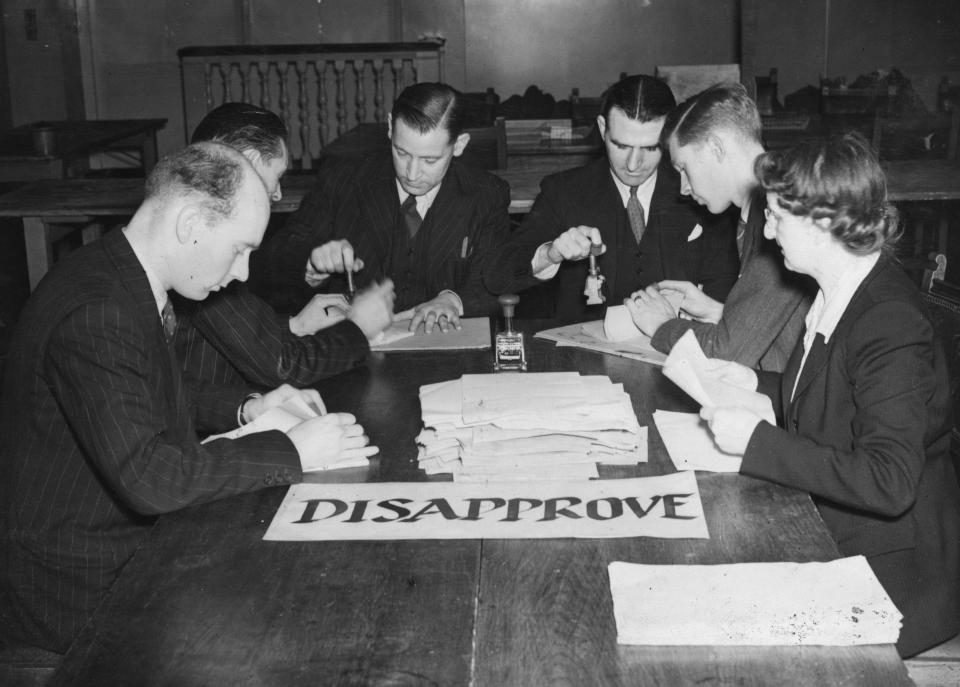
(688, 368)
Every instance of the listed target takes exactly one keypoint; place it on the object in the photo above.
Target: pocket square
(695, 234)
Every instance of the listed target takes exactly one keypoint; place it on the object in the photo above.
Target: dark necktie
(169, 319)
(635, 212)
(741, 233)
(411, 218)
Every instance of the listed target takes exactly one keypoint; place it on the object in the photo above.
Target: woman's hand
(731, 427)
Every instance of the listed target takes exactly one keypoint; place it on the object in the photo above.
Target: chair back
(487, 148)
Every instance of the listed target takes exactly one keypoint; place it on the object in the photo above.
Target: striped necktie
(411, 218)
(169, 319)
(635, 212)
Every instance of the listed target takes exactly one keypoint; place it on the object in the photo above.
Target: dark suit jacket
(763, 314)
(234, 337)
(868, 434)
(358, 201)
(98, 435)
(588, 195)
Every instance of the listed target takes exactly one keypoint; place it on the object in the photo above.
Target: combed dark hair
(640, 96)
(839, 180)
(723, 106)
(244, 127)
(212, 172)
(426, 106)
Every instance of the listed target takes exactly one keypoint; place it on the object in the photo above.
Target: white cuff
(541, 266)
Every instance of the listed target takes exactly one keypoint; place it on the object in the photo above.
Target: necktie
(169, 320)
(411, 218)
(741, 232)
(635, 213)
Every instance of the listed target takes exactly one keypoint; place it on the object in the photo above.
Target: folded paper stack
(532, 426)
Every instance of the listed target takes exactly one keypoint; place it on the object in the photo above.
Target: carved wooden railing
(319, 91)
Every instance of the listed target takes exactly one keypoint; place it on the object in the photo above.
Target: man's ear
(189, 221)
(253, 156)
(602, 125)
(390, 126)
(460, 144)
(717, 147)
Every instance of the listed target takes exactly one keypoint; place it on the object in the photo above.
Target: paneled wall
(127, 48)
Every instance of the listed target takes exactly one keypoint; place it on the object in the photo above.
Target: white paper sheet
(590, 335)
(837, 603)
(665, 506)
(475, 333)
(690, 443)
(687, 367)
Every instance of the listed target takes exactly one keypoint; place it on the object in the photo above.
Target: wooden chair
(689, 79)
(488, 146)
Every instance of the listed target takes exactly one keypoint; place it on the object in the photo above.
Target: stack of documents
(533, 426)
(839, 603)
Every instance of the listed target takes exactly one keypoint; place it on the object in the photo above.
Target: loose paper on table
(475, 333)
(752, 604)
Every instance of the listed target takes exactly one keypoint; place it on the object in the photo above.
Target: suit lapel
(379, 207)
(669, 237)
(615, 227)
(443, 227)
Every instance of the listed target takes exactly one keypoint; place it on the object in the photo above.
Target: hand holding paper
(334, 440)
(732, 411)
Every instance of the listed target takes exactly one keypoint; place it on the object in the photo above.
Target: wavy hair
(839, 180)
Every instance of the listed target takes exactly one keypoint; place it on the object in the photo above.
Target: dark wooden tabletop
(206, 602)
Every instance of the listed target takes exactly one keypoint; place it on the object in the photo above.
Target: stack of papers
(839, 603)
(531, 426)
(474, 332)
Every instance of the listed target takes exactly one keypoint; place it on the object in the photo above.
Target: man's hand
(731, 427)
(255, 407)
(321, 441)
(323, 310)
(332, 257)
(649, 309)
(372, 308)
(442, 311)
(698, 305)
(575, 244)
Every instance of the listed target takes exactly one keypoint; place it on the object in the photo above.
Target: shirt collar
(159, 293)
(644, 191)
(423, 202)
(824, 315)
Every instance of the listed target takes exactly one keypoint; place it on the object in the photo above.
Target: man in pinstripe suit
(423, 219)
(98, 431)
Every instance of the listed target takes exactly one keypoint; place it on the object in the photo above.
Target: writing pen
(350, 288)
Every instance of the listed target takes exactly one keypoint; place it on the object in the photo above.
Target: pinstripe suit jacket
(98, 435)
(358, 201)
(763, 314)
(234, 337)
(588, 196)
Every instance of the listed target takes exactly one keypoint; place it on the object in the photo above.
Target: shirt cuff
(541, 266)
(456, 299)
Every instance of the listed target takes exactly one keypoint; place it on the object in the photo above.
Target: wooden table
(51, 208)
(205, 601)
(75, 142)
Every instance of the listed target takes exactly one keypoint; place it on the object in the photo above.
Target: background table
(206, 601)
(75, 142)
